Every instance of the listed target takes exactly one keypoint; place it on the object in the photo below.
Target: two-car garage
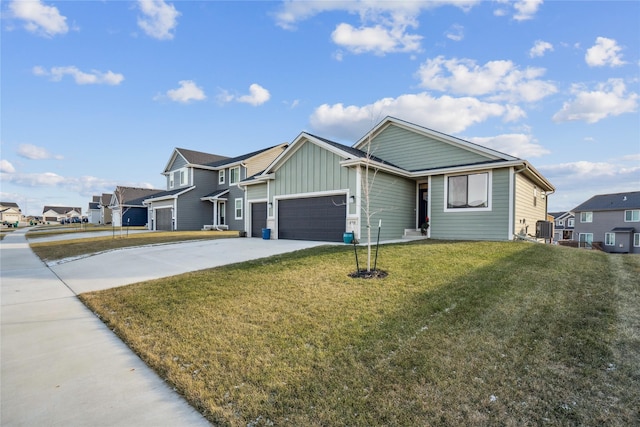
(309, 218)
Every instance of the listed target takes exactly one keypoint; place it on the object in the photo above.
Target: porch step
(414, 234)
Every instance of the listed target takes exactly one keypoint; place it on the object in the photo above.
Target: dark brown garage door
(313, 218)
(163, 219)
(258, 218)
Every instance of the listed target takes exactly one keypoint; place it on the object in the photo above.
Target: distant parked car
(75, 220)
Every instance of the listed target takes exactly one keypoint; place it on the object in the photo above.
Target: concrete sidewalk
(61, 366)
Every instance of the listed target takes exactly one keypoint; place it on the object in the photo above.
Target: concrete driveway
(61, 366)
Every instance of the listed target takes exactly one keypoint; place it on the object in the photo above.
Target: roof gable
(192, 157)
(414, 147)
(611, 202)
(133, 196)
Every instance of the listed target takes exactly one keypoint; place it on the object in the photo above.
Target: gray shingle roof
(198, 157)
(611, 202)
(133, 196)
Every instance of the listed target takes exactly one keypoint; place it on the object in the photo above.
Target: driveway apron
(61, 366)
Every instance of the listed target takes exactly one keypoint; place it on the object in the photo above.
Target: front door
(423, 206)
(222, 210)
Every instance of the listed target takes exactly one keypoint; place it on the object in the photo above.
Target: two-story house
(612, 219)
(563, 225)
(203, 192)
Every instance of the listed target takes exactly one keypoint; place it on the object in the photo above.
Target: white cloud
(32, 152)
(187, 92)
(517, 144)
(498, 80)
(80, 77)
(446, 114)
(6, 166)
(159, 19)
(257, 96)
(576, 182)
(608, 99)
(540, 48)
(526, 9)
(604, 52)
(383, 25)
(375, 39)
(455, 33)
(40, 19)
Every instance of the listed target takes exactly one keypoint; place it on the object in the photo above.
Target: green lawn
(55, 250)
(464, 333)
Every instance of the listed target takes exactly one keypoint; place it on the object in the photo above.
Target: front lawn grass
(458, 334)
(55, 250)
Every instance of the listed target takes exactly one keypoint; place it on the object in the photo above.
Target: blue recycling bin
(266, 233)
(347, 238)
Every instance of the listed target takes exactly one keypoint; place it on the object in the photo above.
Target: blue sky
(96, 94)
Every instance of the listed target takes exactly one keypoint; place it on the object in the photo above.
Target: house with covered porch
(396, 176)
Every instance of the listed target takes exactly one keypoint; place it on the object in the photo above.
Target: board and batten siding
(412, 151)
(313, 169)
(525, 213)
(393, 200)
(479, 225)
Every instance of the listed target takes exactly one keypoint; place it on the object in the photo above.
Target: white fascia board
(376, 165)
(168, 196)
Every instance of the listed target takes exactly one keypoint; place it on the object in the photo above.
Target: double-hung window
(570, 222)
(183, 176)
(171, 180)
(234, 175)
(221, 176)
(610, 239)
(470, 191)
(238, 208)
(632, 215)
(586, 216)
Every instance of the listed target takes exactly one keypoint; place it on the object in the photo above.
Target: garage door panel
(163, 219)
(258, 218)
(312, 218)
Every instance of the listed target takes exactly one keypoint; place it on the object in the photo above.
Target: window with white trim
(632, 215)
(234, 175)
(561, 223)
(171, 180)
(183, 176)
(636, 240)
(238, 208)
(468, 191)
(221, 177)
(586, 216)
(570, 222)
(610, 239)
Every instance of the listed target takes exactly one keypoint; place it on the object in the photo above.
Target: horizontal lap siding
(526, 215)
(413, 151)
(491, 225)
(257, 192)
(392, 200)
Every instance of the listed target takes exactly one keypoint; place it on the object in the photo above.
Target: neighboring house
(94, 211)
(60, 213)
(127, 205)
(612, 219)
(203, 191)
(106, 216)
(10, 212)
(563, 225)
(315, 189)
